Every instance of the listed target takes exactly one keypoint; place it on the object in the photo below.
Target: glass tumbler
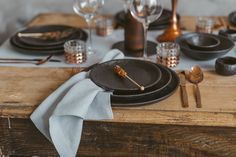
(205, 25)
(75, 51)
(168, 54)
(104, 26)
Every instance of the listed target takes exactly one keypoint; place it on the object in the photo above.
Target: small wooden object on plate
(123, 74)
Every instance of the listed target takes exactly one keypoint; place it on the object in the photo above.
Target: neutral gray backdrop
(14, 13)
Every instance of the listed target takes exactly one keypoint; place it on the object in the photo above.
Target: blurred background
(15, 13)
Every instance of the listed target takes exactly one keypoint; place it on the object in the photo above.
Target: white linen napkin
(60, 116)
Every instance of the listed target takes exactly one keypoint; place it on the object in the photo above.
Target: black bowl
(232, 18)
(230, 33)
(226, 66)
(203, 42)
(224, 47)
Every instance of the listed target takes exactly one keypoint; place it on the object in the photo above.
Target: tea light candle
(75, 51)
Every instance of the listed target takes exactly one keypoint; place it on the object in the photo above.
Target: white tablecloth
(102, 45)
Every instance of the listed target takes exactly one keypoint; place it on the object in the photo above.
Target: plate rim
(43, 27)
(174, 75)
(124, 60)
(150, 92)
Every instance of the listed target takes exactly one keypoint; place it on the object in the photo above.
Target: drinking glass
(146, 11)
(126, 4)
(88, 9)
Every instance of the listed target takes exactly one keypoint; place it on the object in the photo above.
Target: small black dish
(224, 47)
(232, 18)
(226, 66)
(229, 33)
(203, 42)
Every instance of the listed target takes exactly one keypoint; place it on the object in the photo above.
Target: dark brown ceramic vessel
(226, 66)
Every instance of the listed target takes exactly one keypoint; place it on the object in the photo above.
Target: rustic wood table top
(23, 89)
(209, 131)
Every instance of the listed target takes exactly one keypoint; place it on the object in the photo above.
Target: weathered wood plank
(124, 139)
(23, 89)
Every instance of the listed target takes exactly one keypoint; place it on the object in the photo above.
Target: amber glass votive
(75, 51)
(168, 54)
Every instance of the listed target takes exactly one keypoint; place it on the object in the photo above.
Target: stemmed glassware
(88, 9)
(146, 11)
(126, 4)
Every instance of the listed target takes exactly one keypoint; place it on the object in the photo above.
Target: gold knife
(184, 95)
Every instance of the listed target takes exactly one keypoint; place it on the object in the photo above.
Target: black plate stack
(161, 23)
(224, 46)
(42, 45)
(159, 81)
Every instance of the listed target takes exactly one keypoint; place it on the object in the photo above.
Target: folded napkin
(60, 116)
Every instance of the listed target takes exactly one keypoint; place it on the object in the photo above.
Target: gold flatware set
(195, 76)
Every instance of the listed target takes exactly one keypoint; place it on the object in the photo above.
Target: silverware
(26, 61)
(184, 96)
(195, 76)
(123, 74)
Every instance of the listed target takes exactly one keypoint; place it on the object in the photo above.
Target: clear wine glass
(88, 9)
(126, 4)
(146, 11)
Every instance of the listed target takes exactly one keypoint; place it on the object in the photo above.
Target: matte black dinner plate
(164, 81)
(143, 72)
(225, 46)
(232, 18)
(28, 49)
(52, 49)
(151, 49)
(150, 98)
(161, 23)
(51, 28)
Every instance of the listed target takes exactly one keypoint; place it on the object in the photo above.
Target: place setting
(157, 81)
(47, 39)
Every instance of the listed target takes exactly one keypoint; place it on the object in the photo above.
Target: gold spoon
(196, 76)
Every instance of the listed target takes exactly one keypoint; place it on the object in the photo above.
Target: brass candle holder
(173, 31)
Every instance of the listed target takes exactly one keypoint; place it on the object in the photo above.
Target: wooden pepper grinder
(134, 39)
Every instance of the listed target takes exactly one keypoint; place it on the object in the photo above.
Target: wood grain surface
(23, 89)
(124, 140)
(164, 129)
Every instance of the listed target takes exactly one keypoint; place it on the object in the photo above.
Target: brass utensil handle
(198, 97)
(184, 96)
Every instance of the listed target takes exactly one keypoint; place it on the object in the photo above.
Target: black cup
(226, 66)
(230, 33)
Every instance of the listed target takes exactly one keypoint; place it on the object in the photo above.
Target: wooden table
(160, 129)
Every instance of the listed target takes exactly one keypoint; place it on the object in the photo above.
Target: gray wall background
(14, 13)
